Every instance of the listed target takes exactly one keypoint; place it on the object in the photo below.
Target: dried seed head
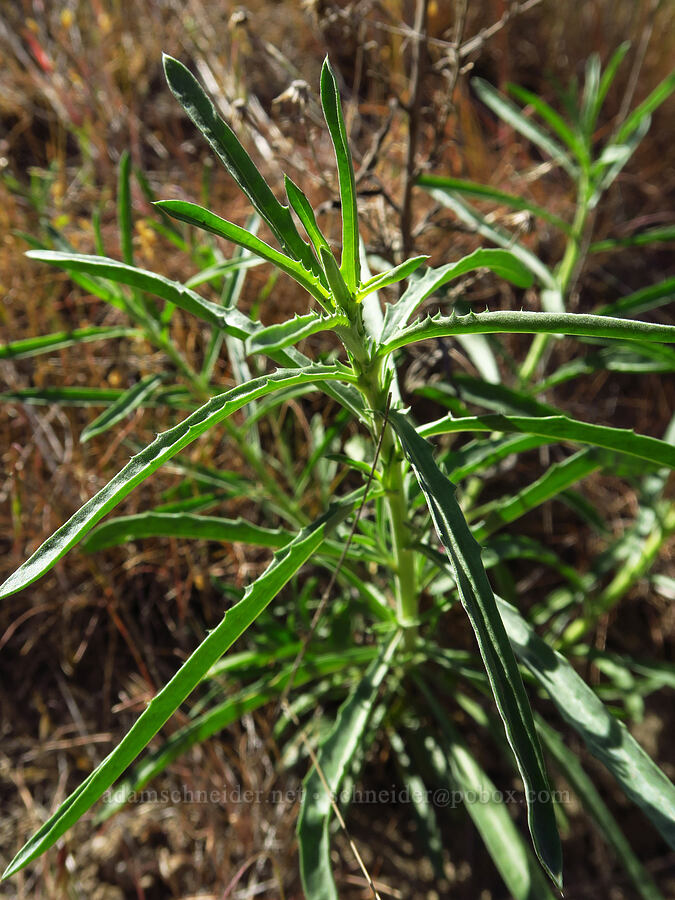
(296, 95)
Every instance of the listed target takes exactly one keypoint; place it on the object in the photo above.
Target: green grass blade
(285, 334)
(562, 428)
(48, 343)
(519, 322)
(606, 737)
(183, 525)
(651, 297)
(234, 623)
(471, 217)
(479, 602)
(68, 396)
(146, 462)
(457, 770)
(334, 756)
(124, 214)
(236, 160)
(509, 113)
(487, 192)
(129, 401)
(502, 262)
(203, 218)
(573, 772)
(332, 110)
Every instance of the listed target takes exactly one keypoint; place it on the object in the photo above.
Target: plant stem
(393, 480)
(565, 275)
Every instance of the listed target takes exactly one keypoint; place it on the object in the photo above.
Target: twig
(638, 62)
(336, 809)
(450, 68)
(413, 110)
(475, 43)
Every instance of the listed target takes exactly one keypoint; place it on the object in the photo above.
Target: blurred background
(84, 649)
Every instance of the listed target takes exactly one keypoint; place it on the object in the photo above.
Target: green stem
(564, 276)
(373, 387)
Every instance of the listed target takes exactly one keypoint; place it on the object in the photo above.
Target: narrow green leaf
(203, 218)
(122, 407)
(556, 478)
(651, 297)
(276, 337)
(608, 77)
(499, 236)
(220, 270)
(660, 93)
(234, 623)
(487, 192)
(509, 113)
(183, 525)
(589, 99)
(231, 320)
(479, 602)
(236, 160)
(124, 214)
(334, 756)
(458, 771)
(420, 798)
(172, 291)
(303, 209)
(612, 160)
(480, 455)
(391, 276)
(562, 428)
(606, 737)
(69, 396)
(146, 462)
(611, 359)
(502, 262)
(642, 239)
(48, 343)
(555, 122)
(339, 290)
(573, 772)
(477, 348)
(497, 397)
(176, 396)
(332, 110)
(518, 322)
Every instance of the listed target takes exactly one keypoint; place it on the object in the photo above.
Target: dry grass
(81, 82)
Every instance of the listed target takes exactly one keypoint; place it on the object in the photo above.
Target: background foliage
(104, 631)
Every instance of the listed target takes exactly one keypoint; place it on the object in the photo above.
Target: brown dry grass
(83, 649)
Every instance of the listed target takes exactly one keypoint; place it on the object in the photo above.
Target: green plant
(384, 561)
(571, 145)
